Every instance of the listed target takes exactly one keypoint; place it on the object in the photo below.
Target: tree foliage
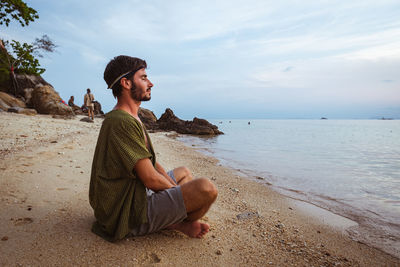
(18, 10)
(23, 57)
(16, 56)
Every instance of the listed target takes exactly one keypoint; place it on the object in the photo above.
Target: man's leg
(182, 175)
(198, 195)
(91, 113)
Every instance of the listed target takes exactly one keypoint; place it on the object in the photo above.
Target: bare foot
(192, 229)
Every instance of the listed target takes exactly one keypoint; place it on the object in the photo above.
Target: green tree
(22, 57)
(17, 57)
(18, 10)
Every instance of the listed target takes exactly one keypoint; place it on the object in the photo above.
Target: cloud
(287, 69)
(92, 56)
(180, 20)
(334, 81)
(222, 53)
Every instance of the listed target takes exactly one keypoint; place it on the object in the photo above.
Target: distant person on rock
(88, 102)
(71, 101)
(74, 107)
(130, 192)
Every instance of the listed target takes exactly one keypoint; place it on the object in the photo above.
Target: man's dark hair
(118, 66)
(88, 90)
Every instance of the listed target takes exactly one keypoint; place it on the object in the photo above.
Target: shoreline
(365, 224)
(45, 167)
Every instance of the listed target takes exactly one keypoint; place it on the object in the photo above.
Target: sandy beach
(46, 217)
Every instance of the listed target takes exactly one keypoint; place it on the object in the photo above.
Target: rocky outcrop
(169, 122)
(7, 101)
(148, 118)
(97, 108)
(47, 101)
(26, 111)
(77, 109)
(11, 104)
(28, 96)
(30, 81)
(23, 81)
(38, 94)
(87, 119)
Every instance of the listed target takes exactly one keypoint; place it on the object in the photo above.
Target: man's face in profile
(141, 87)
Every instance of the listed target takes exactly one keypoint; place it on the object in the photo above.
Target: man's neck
(129, 105)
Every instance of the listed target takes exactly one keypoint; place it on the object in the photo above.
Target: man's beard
(135, 95)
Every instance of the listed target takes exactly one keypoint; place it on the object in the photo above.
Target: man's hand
(150, 177)
(162, 171)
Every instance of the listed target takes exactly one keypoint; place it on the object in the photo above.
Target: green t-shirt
(116, 194)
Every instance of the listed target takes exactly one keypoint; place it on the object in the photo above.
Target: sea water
(350, 167)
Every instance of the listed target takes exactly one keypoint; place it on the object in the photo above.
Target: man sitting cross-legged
(130, 192)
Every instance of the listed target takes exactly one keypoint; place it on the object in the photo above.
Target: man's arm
(150, 177)
(162, 171)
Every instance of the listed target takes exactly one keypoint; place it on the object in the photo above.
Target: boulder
(64, 117)
(3, 105)
(23, 81)
(87, 119)
(28, 96)
(19, 110)
(7, 101)
(11, 104)
(97, 108)
(169, 122)
(77, 110)
(47, 101)
(148, 118)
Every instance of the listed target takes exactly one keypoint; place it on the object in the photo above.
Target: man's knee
(208, 189)
(186, 172)
(183, 175)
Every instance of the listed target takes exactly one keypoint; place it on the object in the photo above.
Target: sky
(230, 58)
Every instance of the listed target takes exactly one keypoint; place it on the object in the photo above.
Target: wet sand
(46, 217)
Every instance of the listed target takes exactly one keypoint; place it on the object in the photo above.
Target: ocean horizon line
(321, 118)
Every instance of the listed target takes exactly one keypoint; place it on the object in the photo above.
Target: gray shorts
(164, 208)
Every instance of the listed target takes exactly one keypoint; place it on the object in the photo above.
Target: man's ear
(125, 83)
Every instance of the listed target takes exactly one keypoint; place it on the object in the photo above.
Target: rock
(47, 101)
(77, 109)
(148, 118)
(247, 215)
(3, 106)
(23, 81)
(218, 252)
(97, 108)
(22, 221)
(235, 190)
(87, 119)
(30, 81)
(28, 96)
(4, 238)
(169, 122)
(37, 94)
(64, 117)
(19, 110)
(7, 101)
(98, 112)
